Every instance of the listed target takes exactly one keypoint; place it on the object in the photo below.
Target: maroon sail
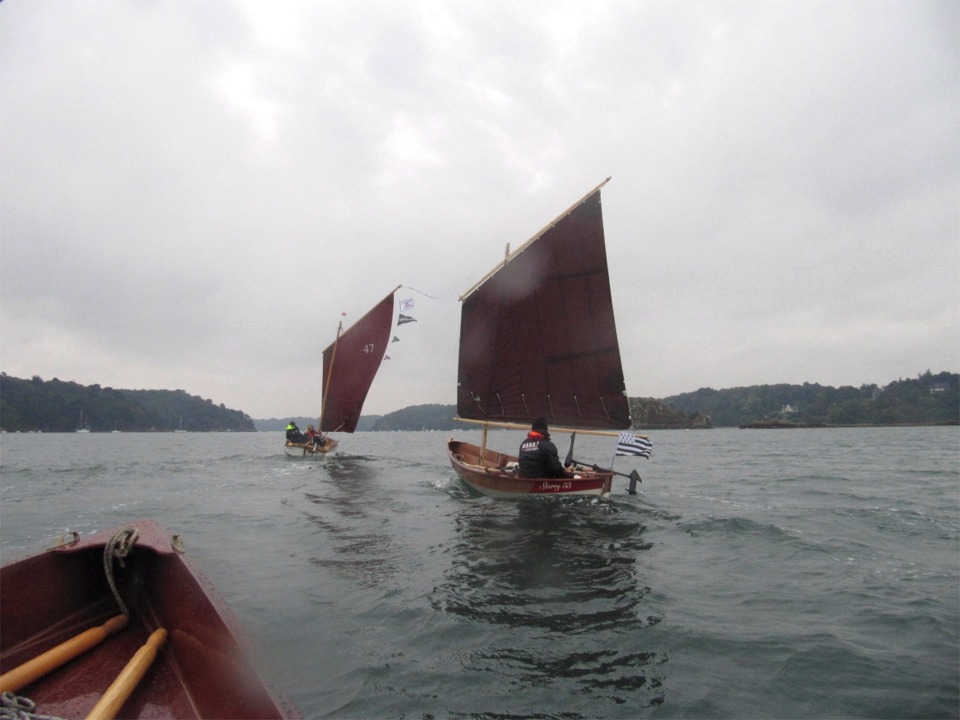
(350, 364)
(538, 337)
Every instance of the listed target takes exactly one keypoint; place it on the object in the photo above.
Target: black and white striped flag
(630, 444)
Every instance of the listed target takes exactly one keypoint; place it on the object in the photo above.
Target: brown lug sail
(350, 364)
(538, 337)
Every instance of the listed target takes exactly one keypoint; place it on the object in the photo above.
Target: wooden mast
(326, 383)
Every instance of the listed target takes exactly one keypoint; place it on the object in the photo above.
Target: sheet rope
(118, 547)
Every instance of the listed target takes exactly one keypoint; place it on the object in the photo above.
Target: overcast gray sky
(192, 192)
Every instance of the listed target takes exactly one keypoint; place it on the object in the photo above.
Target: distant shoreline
(802, 426)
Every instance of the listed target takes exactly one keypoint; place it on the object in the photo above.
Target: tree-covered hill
(56, 406)
(646, 412)
(421, 417)
(928, 399)
(365, 423)
(652, 414)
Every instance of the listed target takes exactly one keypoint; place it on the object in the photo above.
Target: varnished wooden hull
(199, 672)
(308, 449)
(489, 475)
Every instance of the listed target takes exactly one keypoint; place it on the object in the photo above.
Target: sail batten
(538, 336)
(350, 364)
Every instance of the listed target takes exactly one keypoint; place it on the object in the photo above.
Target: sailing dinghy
(120, 623)
(538, 339)
(350, 364)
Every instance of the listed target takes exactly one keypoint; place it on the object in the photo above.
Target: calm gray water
(758, 574)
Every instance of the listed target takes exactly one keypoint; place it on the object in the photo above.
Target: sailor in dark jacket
(294, 435)
(538, 456)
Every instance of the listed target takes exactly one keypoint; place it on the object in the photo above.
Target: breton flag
(630, 444)
(406, 304)
(405, 319)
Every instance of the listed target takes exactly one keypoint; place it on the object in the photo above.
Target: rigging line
(418, 291)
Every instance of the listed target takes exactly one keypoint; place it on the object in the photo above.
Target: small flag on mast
(395, 339)
(405, 319)
(630, 444)
(406, 304)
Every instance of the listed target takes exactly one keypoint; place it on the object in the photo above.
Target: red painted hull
(200, 672)
(488, 475)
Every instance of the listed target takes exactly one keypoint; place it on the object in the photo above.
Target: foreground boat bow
(60, 600)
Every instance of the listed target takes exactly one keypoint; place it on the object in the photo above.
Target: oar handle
(39, 666)
(121, 688)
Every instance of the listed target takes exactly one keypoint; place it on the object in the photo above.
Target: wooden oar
(55, 657)
(118, 692)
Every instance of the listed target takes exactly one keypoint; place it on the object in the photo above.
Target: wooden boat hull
(308, 449)
(199, 672)
(490, 475)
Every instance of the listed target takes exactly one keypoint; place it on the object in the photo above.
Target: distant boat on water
(350, 364)
(180, 429)
(83, 425)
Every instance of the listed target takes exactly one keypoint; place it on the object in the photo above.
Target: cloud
(193, 192)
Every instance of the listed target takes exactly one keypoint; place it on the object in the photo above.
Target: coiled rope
(18, 707)
(15, 707)
(118, 547)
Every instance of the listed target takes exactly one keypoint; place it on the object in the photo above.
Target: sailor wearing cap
(538, 455)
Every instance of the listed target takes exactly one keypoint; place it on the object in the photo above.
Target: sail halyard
(538, 336)
(350, 364)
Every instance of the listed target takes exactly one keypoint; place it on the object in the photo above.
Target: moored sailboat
(83, 425)
(538, 340)
(350, 364)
